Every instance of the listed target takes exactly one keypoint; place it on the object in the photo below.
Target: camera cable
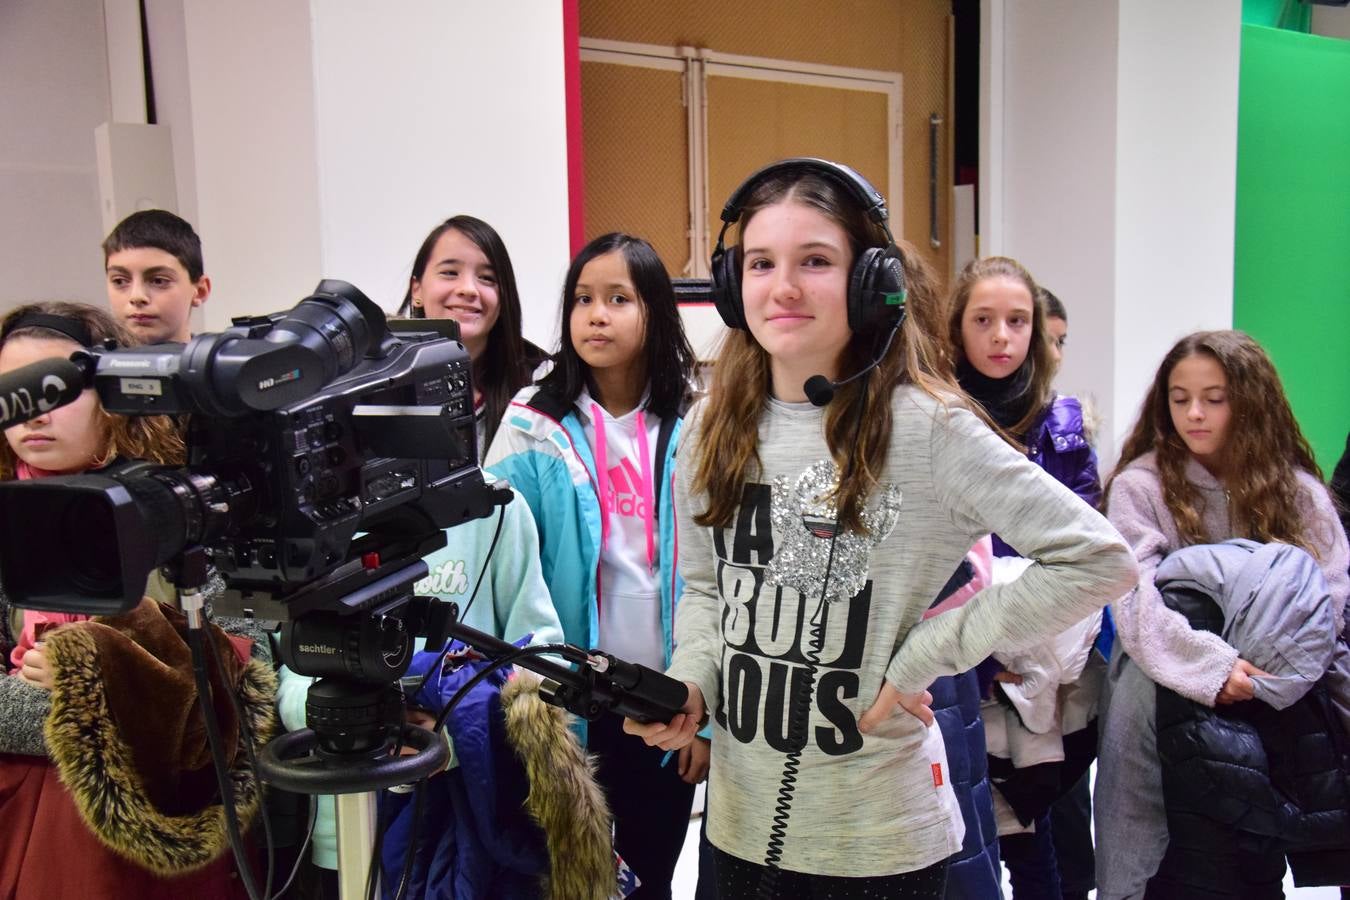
(196, 642)
(418, 803)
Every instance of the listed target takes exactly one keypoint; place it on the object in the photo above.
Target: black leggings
(740, 880)
(649, 801)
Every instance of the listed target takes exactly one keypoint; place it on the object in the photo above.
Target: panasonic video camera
(307, 428)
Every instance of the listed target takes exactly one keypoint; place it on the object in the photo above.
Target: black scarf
(1007, 400)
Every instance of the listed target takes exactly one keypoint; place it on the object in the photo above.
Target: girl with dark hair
(824, 534)
(591, 450)
(1056, 322)
(1215, 454)
(1006, 359)
(463, 272)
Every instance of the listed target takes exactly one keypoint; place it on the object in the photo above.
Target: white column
(426, 109)
(1176, 183)
(1116, 177)
(329, 137)
(250, 74)
(126, 69)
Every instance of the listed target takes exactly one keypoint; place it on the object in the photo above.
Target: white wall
(325, 139)
(250, 79)
(1176, 181)
(1331, 21)
(1059, 156)
(1110, 147)
(426, 109)
(53, 94)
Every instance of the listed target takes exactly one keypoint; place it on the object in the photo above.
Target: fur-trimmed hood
(521, 815)
(129, 742)
(564, 798)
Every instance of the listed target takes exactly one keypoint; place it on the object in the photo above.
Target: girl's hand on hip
(888, 698)
(679, 731)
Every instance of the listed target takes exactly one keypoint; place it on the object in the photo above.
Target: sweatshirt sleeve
(524, 605)
(1333, 553)
(23, 709)
(291, 691)
(698, 639)
(1079, 562)
(1161, 641)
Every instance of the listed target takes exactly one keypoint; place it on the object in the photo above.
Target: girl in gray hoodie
(1216, 454)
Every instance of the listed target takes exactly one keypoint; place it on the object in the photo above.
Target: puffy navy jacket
(973, 873)
(1246, 784)
(476, 841)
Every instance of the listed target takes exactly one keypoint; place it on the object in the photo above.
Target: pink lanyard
(602, 479)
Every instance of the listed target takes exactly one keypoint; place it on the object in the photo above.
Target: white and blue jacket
(541, 449)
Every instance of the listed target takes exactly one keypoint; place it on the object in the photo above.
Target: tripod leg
(356, 838)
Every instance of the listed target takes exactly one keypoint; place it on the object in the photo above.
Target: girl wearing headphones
(591, 450)
(812, 541)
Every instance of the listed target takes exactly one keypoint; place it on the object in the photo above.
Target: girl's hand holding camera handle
(679, 731)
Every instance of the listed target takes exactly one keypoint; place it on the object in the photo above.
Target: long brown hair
(728, 452)
(1039, 355)
(151, 438)
(1261, 455)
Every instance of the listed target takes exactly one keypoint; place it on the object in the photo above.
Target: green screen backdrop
(1291, 286)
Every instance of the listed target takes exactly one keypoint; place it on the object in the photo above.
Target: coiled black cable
(799, 713)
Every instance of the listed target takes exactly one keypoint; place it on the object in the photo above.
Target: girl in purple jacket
(1006, 359)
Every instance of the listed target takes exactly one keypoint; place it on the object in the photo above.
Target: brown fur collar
(128, 741)
(564, 797)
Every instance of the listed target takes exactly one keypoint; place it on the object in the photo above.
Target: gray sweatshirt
(878, 804)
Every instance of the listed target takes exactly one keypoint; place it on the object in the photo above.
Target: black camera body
(327, 456)
(307, 428)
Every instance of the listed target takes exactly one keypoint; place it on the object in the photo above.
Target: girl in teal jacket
(591, 450)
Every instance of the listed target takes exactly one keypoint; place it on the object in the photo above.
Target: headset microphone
(820, 390)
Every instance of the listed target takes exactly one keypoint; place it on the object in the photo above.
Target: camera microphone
(820, 390)
(37, 389)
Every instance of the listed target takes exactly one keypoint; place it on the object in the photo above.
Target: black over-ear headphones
(876, 287)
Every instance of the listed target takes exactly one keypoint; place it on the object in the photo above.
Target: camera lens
(87, 528)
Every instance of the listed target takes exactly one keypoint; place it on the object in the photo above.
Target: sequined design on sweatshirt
(803, 515)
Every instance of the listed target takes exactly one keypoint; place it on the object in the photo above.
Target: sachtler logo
(268, 383)
(319, 648)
